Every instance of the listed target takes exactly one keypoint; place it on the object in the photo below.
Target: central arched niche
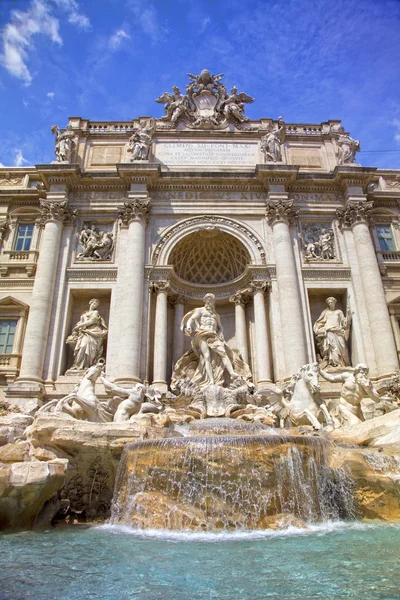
(209, 256)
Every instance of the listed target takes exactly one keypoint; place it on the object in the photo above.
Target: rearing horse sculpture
(299, 403)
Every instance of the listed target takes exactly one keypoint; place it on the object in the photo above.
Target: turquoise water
(335, 561)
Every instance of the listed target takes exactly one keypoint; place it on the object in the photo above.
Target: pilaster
(357, 216)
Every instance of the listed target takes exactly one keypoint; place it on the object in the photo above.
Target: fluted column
(130, 289)
(263, 347)
(239, 300)
(178, 303)
(161, 336)
(54, 211)
(279, 211)
(357, 215)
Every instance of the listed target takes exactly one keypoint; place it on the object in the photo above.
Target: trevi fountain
(199, 377)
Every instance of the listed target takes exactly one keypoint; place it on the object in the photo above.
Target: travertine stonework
(148, 216)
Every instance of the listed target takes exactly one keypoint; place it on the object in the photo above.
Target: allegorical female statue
(87, 338)
(331, 329)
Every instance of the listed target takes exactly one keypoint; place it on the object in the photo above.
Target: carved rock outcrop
(25, 488)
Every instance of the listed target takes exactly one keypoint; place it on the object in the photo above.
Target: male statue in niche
(215, 357)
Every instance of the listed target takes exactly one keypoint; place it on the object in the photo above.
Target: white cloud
(50, 95)
(204, 24)
(75, 17)
(19, 159)
(116, 39)
(147, 19)
(18, 34)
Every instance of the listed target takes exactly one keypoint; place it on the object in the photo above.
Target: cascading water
(211, 480)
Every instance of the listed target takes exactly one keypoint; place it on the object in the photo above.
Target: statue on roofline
(206, 105)
(64, 143)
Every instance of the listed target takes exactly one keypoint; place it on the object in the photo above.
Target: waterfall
(218, 481)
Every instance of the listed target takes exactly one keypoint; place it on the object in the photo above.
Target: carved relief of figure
(87, 337)
(356, 387)
(175, 105)
(96, 245)
(64, 143)
(326, 244)
(347, 149)
(83, 403)
(233, 105)
(318, 242)
(140, 142)
(332, 329)
(133, 400)
(215, 357)
(271, 142)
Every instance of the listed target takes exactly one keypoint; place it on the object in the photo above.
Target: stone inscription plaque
(207, 153)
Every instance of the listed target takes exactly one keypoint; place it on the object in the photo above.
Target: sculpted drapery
(217, 363)
(87, 337)
(331, 329)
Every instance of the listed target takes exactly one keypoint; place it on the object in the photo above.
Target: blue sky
(307, 60)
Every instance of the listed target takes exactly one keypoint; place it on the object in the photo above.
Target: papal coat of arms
(206, 104)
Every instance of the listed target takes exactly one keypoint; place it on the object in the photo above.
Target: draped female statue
(332, 329)
(87, 337)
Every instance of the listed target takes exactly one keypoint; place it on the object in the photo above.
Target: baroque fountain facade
(213, 298)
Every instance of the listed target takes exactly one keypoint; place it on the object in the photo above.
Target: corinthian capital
(161, 286)
(280, 211)
(55, 211)
(241, 297)
(260, 285)
(3, 229)
(355, 212)
(134, 210)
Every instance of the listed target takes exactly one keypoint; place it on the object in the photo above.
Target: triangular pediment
(10, 302)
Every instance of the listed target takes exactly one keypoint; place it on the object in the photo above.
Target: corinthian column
(54, 210)
(263, 353)
(279, 211)
(128, 317)
(161, 336)
(357, 215)
(178, 303)
(240, 300)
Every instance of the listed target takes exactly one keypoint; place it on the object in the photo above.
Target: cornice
(142, 172)
(197, 291)
(91, 274)
(63, 173)
(342, 274)
(10, 283)
(271, 173)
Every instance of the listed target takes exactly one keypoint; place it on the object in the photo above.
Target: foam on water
(311, 529)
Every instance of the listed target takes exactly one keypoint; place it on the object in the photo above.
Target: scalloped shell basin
(228, 475)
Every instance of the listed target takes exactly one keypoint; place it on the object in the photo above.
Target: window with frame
(8, 328)
(24, 237)
(385, 238)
